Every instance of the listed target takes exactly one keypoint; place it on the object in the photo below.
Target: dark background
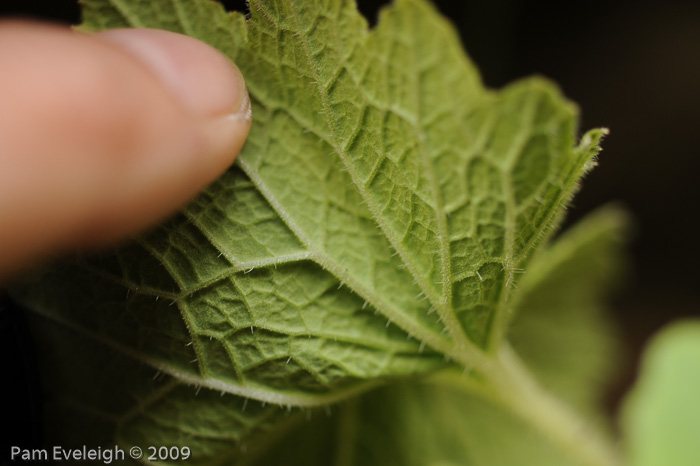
(632, 66)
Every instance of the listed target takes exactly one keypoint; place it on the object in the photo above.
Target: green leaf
(416, 425)
(561, 329)
(131, 404)
(661, 415)
(379, 176)
(374, 228)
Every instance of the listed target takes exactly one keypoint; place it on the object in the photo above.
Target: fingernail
(205, 82)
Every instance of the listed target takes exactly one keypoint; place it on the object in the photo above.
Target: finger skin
(95, 145)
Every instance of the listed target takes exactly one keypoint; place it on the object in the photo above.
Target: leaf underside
(374, 229)
(661, 414)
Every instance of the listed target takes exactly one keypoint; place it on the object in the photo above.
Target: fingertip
(200, 77)
(126, 136)
(212, 92)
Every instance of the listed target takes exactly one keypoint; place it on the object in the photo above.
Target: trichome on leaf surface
(373, 282)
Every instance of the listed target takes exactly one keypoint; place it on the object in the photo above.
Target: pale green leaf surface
(278, 334)
(416, 425)
(386, 158)
(374, 227)
(397, 138)
(661, 415)
(561, 329)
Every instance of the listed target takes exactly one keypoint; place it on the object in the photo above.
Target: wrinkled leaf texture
(382, 224)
